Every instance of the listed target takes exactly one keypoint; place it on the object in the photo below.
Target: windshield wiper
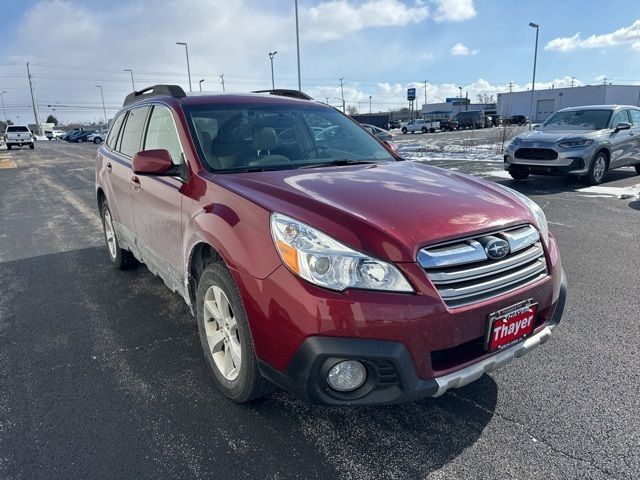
(338, 163)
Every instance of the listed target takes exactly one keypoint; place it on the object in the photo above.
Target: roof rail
(168, 90)
(286, 93)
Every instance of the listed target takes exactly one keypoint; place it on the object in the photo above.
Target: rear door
(157, 202)
(635, 120)
(622, 142)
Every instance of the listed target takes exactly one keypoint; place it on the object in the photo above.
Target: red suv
(317, 260)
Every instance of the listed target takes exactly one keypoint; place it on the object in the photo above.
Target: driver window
(161, 133)
(620, 117)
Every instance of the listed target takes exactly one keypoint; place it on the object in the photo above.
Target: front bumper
(392, 376)
(570, 161)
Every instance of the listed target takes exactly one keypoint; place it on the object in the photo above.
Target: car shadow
(102, 371)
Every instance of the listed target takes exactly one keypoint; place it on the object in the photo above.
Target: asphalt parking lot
(103, 377)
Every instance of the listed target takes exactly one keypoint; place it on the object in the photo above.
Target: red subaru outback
(317, 260)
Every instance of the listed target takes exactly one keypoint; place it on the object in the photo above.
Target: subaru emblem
(496, 248)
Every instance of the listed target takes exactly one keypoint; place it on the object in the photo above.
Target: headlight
(576, 143)
(318, 258)
(536, 211)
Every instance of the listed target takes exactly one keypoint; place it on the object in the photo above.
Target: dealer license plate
(511, 325)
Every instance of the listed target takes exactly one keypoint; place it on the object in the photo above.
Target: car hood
(387, 210)
(557, 135)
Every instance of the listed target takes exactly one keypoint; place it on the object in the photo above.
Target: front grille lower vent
(536, 154)
(463, 273)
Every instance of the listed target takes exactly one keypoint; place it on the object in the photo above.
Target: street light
(298, 47)
(460, 99)
(535, 59)
(3, 110)
(222, 82)
(186, 49)
(273, 83)
(104, 110)
(370, 105)
(133, 85)
(200, 84)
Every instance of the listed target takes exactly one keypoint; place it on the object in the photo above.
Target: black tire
(249, 383)
(80, 140)
(519, 175)
(598, 170)
(120, 258)
(638, 169)
(424, 129)
(97, 140)
(31, 146)
(404, 129)
(9, 147)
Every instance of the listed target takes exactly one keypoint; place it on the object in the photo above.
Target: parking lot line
(7, 162)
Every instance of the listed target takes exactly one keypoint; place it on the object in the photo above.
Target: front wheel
(404, 130)
(424, 129)
(226, 338)
(80, 140)
(9, 147)
(598, 170)
(97, 140)
(638, 169)
(31, 146)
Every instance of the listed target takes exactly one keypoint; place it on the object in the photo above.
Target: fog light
(346, 376)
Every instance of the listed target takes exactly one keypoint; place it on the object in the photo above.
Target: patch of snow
(632, 191)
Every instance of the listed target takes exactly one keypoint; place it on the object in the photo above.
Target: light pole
(104, 110)
(222, 82)
(186, 49)
(460, 99)
(535, 60)
(425, 91)
(3, 110)
(200, 84)
(370, 105)
(342, 94)
(298, 47)
(133, 85)
(273, 83)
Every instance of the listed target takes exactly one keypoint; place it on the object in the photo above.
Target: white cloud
(622, 36)
(334, 19)
(462, 49)
(454, 10)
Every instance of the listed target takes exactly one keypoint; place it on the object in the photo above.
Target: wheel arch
(101, 197)
(201, 255)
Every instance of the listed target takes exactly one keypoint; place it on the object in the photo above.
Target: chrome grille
(463, 274)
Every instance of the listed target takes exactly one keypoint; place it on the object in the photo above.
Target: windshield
(579, 120)
(279, 136)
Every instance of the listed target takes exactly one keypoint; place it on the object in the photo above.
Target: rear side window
(131, 137)
(115, 129)
(635, 116)
(17, 128)
(161, 133)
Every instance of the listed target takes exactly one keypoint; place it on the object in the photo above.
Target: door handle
(136, 183)
(109, 167)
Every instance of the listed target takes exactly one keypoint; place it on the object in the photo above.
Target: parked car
(496, 120)
(420, 126)
(470, 119)
(328, 267)
(49, 134)
(490, 121)
(447, 124)
(74, 131)
(584, 141)
(395, 124)
(97, 137)
(518, 120)
(378, 132)
(18, 136)
(82, 136)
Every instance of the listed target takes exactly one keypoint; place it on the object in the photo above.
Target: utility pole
(510, 87)
(222, 82)
(573, 79)
(327, 100)
(344, 109)
(370, 111)
(33, 102)
(466, 101)
(425, 91)
(535, 61)
(200, 84)
(298, 47)
(273, 82)
(104, 110)
(133, 85)
(6, 123)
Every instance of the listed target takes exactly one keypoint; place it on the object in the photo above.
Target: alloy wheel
(110, 233)
(221, 329)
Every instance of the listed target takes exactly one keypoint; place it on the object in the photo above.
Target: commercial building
(449, 108)
(546, 102)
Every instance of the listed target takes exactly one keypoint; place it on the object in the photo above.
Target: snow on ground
(632, 191)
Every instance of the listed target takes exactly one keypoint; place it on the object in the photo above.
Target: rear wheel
(424, 129)
(80, 140)
(404, 129)
(120, 258)
(518, 175)
(97, 140)
(638, 169)
(226, 338)
(9, 147)
(598, 170)
(31, 146)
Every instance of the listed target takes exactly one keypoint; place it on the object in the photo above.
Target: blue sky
(380, 47)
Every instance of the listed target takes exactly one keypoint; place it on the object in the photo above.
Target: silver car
(584, 141)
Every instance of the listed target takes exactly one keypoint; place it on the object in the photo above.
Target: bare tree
(484, 98)
(351, 109)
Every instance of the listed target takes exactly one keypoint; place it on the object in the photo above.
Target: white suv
(18, 136)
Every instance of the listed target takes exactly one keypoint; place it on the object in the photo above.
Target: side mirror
(153, 162)
(623, 126)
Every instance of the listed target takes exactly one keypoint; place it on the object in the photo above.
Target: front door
(157, 202)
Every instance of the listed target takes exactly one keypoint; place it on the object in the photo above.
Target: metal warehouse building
(546, 102)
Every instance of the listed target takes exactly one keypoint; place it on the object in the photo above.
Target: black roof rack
(286, 93)
(167, 90)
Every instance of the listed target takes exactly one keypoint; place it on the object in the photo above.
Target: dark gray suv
(584, 141)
